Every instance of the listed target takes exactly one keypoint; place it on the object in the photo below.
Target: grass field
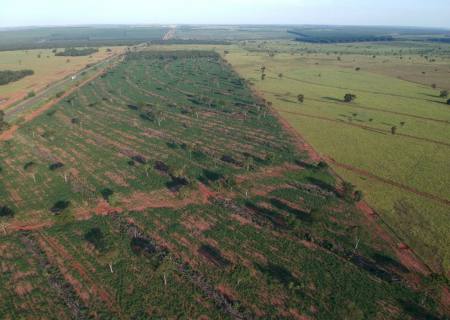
(47, 68)
(169, 190)
(393, 88)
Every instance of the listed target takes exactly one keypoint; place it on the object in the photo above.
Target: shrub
(358, 195)
(6, 212)
(55, 166)
(96, 238)
(347, 191)
(59, 206)
(349, 97)
(444, 94)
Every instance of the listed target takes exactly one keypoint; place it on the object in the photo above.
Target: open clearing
(405, 176)
(169, 190)
(47, 68)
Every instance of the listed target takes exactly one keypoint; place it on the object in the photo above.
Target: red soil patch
(196, 223)
(29, 227)
(227, 292)
(295, 314)
(267, 172)
(23, 288)
(445, 299)
(206, 193)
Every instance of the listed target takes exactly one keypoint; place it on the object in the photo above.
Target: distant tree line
(73, 52)
(8, 76)
(338, 38)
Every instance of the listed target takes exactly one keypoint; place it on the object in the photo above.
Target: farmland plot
(174, 192)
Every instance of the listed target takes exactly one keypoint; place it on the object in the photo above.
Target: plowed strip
(76, 266)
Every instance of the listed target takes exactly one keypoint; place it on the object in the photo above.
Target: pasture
(404, 176)
(170, 190)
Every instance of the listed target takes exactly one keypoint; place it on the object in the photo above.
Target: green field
(393, 86)
(172, 191)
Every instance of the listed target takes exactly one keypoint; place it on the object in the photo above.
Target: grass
(155, 136)
(358, 133)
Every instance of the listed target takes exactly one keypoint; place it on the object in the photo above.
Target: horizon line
(213, 24)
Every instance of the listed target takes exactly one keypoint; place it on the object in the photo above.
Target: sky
(422, 13)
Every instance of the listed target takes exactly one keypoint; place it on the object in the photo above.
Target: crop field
(47, 68)
(166, 188)
(405, 175)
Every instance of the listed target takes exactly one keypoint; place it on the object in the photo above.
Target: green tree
(444, 94)
(300, 98)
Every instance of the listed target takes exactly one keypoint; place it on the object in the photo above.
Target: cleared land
(47, 68)
(404, 176)
(174, 192)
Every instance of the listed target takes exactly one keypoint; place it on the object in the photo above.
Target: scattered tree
(393, 129)
(444, 94)
(300, 98)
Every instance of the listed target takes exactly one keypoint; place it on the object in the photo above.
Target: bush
(444, 94)
(96, 238)
(347, 191)
(349, 97)
(358, 196)
(59, 206)
(6, 212)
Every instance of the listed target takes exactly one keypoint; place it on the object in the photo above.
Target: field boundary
(407, 256)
